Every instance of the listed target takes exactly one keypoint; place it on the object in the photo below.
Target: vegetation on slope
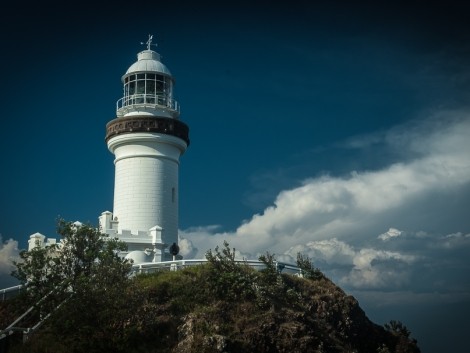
(223, 306)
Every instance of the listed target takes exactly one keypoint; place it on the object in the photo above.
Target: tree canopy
(83, 270)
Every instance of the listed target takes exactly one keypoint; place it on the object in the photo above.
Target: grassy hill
(222, 306)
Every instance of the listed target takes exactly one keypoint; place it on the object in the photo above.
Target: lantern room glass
(148, 88)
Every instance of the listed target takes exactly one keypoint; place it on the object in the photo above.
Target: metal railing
(148, 267)
(28, 331)
(10, 292)
(147, 100)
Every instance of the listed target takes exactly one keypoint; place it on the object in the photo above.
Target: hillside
(219, 307)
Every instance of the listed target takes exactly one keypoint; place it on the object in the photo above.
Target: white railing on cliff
(148, 267)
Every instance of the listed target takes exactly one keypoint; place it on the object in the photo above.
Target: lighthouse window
(150, 92)
(150, 87)
(140, 87)
(131, 87)
(173, 194)
(159, 87)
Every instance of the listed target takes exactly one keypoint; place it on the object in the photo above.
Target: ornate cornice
(130, 124)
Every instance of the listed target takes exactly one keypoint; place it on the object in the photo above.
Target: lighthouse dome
(148, 61)
(148, 88)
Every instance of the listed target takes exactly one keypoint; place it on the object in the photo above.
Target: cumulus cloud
(374, 228)
(391, 233)
(187, 249)
(329, 251)
(338, 206)
(456, 240)
(379, 269)
(357, 268)
(8, 253)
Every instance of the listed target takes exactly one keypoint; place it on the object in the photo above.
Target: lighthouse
(147, 139)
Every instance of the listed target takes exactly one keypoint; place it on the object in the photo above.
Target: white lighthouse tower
(147, 139)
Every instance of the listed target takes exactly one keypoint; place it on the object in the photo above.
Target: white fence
(149, 267)
(10, 292)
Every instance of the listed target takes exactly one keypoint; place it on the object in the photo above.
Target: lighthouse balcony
(147, 102)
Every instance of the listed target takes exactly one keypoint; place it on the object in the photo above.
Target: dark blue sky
(283, 101)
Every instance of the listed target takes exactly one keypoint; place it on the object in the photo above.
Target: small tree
(229, 279)
(270, 273)
(81, 272)
(307, 269)
(405, 343)
(35, 269)
(271, 287)
(397, 328)
(83, 256)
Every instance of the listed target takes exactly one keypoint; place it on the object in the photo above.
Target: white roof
(37, 235)
(148, 61)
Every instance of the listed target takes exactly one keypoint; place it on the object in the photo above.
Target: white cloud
(379, 269)
(342, 222)
(357, 268)
(8, 253)
(455, 240)
(391, 233)
(187, 249)
(330, 251)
